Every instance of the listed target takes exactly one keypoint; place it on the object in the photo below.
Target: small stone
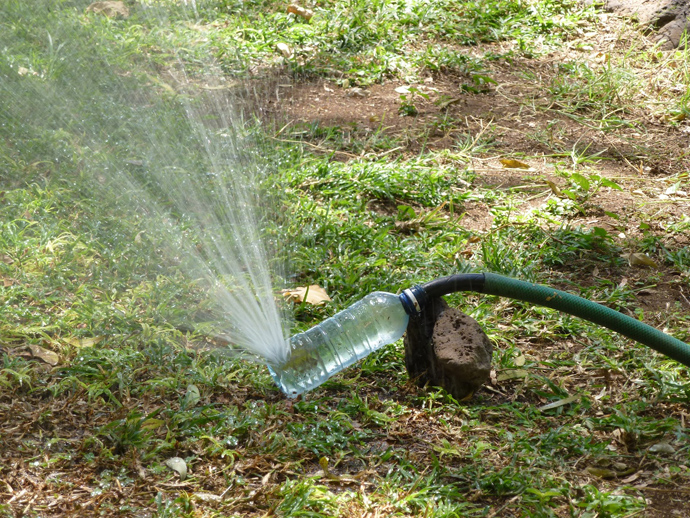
(670, 18)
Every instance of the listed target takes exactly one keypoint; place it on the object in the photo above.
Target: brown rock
(670, 18)
(446, 348)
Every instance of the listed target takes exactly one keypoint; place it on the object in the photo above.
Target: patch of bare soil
(644, 153)
(532, 114)
(665, 503)
(668, 18)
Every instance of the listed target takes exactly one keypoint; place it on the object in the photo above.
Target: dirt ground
(666, 19)
(515, 118)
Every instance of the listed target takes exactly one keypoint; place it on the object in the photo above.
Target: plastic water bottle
(338, 342)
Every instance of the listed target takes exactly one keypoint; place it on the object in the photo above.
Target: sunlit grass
(133, 384)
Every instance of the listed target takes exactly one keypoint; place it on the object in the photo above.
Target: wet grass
(103, 379)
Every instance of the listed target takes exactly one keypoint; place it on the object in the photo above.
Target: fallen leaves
(45, 355)
(641, 260)
(85, 342)
(34, 352)
(510, 163)
(559, 403)
(109, 9)
(178, 465)
(284, 49)
(314, 295)
(306, 14)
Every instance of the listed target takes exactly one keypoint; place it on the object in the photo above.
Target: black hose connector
(415, 299)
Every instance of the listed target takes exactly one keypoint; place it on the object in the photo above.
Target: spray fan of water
(179, 162)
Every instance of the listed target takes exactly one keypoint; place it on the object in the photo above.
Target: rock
(446, 348)
(668, 17)
(109, 9)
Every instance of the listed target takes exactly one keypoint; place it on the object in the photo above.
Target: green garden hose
(414, 299)
(382, 318)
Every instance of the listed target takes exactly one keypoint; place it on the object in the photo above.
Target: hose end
(414, 300)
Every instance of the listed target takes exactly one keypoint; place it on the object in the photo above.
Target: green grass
(83, 275)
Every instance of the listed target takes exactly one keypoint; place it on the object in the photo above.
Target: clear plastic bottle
(338, 342)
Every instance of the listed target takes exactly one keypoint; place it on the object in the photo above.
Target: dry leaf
(49, 357)
(554, 188)
(109, 9)
(357, 92)
(559, 403)
(662, 447)
(300, 11)
(178, 465)
(313, 294)
(512, 374)
(510, 163)
(640, 259)
(85, 342)
(284, 49)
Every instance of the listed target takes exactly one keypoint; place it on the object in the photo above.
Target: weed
(86, 277)
(607, 504)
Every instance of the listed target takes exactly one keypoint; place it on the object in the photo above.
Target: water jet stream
(160, 152)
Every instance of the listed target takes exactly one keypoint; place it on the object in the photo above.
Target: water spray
(382, 318)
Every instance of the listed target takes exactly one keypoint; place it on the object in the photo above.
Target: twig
(495, 513)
